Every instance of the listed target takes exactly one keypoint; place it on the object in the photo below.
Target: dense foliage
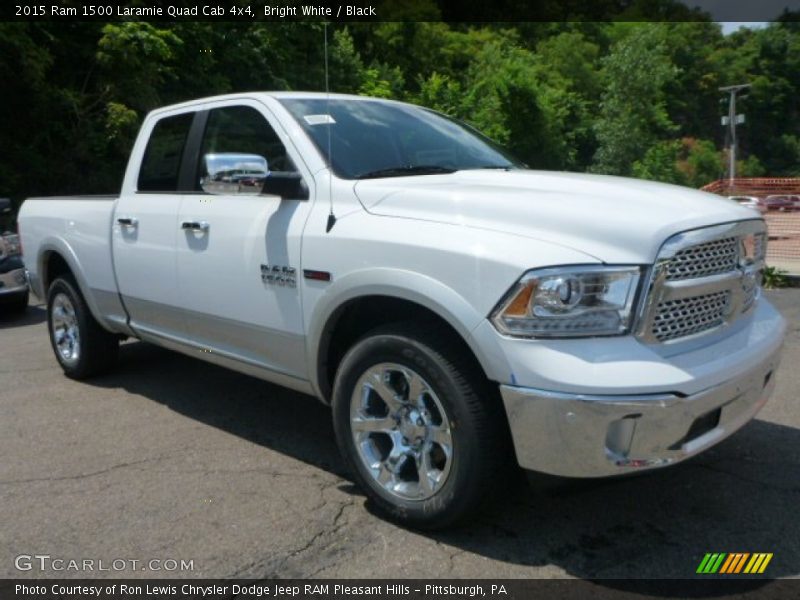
(635, 99)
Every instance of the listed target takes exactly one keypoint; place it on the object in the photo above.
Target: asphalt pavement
(172, 460)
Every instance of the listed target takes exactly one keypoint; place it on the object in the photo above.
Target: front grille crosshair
(702, 260)
(688, 316)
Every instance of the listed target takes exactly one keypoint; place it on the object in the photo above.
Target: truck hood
(612, 219)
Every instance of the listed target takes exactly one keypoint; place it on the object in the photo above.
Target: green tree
(702, 163)
(633, 112)
(660, 163)
(568, 69)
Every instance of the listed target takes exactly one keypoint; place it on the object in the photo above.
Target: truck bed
(78, 228)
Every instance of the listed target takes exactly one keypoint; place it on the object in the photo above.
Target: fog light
(620, 435)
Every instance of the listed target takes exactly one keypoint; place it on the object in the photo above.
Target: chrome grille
(703, 279)
(702, 260)
(689, 316)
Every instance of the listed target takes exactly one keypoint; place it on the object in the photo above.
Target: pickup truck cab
(461, 313)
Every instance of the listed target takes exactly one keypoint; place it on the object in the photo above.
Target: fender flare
(59, 246)
(414, 287)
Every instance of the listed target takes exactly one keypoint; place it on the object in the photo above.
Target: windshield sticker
(319, 119)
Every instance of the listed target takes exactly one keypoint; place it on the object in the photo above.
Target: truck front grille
(689, 316)
(703, 279)
(702, 260)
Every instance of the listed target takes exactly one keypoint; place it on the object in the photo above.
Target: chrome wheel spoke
(424, 468)
(397, 465)
(441, 436)
(373, 424)
(386, 393)
(385, 476)
(416, 388)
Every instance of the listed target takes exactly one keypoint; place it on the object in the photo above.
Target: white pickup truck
(460, 313)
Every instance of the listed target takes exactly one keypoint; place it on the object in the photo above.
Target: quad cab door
(144, 229)
(238, 244)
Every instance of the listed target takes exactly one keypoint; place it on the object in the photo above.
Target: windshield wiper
(408, 170)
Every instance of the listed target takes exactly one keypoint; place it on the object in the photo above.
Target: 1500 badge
(280, 275)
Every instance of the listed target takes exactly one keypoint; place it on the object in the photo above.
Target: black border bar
(512, 11)
(400, 589)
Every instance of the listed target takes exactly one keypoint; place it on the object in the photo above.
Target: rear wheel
(82, 347)
(422, 431)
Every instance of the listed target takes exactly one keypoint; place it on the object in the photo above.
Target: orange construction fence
(783, 248)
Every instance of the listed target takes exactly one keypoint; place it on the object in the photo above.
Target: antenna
(331, 216)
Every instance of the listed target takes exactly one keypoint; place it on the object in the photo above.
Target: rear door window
(161, 164)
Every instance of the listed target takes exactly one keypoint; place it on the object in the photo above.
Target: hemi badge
(316, 275)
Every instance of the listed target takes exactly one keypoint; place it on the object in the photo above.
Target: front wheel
(422, 431)
(82, 347)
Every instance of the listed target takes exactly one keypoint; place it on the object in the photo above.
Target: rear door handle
(128, 221)
(195, 225)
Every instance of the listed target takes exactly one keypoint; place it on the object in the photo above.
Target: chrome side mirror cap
(232, 173)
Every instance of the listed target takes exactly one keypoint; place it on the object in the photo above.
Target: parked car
(795, 199)
(779, 202)
(13, 282)
(460, 313)
(750, 202)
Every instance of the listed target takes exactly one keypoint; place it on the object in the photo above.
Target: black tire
(481, 448)
(16, 303)
(98, 348)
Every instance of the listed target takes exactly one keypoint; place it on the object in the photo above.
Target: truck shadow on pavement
(33, 315)
(741, 496)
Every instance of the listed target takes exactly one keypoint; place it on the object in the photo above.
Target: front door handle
(195, 225)
(128, 221)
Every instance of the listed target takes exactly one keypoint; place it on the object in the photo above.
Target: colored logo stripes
(735, 562)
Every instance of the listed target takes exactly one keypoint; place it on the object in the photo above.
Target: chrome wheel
(401, 431)
(65, 331)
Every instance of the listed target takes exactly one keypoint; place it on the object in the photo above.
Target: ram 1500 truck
(459, 312)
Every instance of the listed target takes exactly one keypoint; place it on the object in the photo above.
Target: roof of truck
(277, 95)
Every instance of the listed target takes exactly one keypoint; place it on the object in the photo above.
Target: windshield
(370, 138)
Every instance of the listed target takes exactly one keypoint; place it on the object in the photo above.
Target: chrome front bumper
(12, 282)
(580, 435)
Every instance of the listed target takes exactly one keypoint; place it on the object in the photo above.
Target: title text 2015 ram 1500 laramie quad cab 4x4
(459, 312)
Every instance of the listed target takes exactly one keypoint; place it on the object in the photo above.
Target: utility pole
(732, 120)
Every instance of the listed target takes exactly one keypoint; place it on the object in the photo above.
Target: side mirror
(234, 174)
(289, 185)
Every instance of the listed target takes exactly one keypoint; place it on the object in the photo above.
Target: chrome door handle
(128, 221)
(195, 225)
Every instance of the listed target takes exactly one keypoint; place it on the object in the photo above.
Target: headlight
(570, 302)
